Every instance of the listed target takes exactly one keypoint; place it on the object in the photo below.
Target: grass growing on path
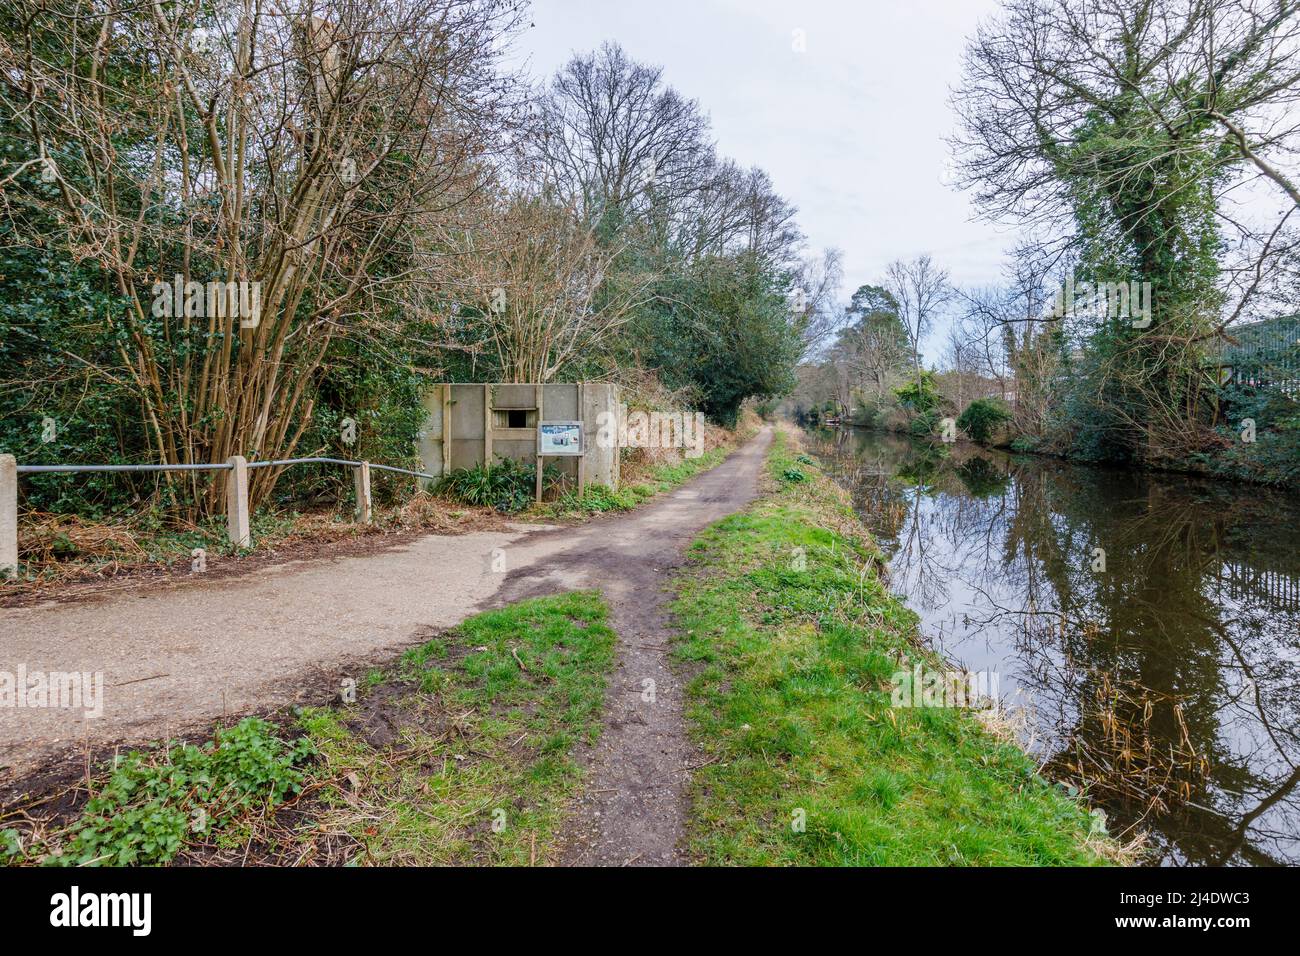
(460, 752)
(485, 739)
(795, 645)
(597, 499)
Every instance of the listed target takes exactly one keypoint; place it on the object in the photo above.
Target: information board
(559, 438)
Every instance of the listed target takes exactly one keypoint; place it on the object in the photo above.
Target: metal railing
(49, 469)
(237, 526)
(220, 466)
(339, 461)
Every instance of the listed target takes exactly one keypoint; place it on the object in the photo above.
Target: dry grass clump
(47, 541)
(57, 550)
(1130, 756)
(635, 463)
(428, 512)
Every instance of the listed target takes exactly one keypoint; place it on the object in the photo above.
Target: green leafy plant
(793, 475)
(506, 485)
(1023, 444)
(924, 424)
(147, 808)
(982, 418)
(596, 499)
(921, 396)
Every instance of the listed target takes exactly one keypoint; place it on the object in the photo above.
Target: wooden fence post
(8, 516)
(446, 430)
(487, 425)
(361, 484)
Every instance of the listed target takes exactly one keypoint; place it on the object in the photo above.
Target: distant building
(1264, 354)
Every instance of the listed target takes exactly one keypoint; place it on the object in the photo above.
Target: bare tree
(960, 358)
(616, 140)
(296, 151)
(817, 283)
(986, 330)
(1010, 334)
(921, 289)
(771, 232)
(532, 269)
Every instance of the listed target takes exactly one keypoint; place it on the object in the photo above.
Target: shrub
(982, 417)
(505, 484)
(924, 425)
(875, 411)
(920, 396)
(597, 499)
(1024, 444)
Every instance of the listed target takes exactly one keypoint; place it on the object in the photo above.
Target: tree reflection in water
(1168, 683)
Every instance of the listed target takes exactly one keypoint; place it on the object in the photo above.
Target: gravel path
(177, 655)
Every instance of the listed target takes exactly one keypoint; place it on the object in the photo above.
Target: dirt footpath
(175, 657)
(633, 810)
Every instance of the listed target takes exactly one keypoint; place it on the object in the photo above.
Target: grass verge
(645, 474)
(794, 638)
(598, 499)
(459, 752)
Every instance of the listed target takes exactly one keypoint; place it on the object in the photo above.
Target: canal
(1145, 628)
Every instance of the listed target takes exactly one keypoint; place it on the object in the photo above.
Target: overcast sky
(851, 130)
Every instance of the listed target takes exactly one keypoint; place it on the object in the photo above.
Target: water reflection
(1146, 627)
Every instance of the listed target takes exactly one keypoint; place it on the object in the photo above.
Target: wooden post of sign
(540, 416)
(446, 430)
(487, 425)
(582, 458)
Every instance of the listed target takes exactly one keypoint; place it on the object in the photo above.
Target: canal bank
(795, 645)
(1145, 626)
